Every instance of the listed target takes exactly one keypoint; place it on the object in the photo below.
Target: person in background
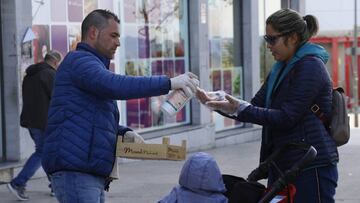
(285, 103)
(83, 120)
(200, 181)
(36, 94)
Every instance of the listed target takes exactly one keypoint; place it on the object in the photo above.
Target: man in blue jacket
(82, 130)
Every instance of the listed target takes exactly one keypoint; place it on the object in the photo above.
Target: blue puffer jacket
(200, 182)
(83, 117)
(288, 118)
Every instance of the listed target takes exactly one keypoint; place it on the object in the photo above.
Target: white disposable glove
(230, 105)
(133, 137)
(187, 82)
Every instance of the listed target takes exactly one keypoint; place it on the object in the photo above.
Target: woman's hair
(287, 22)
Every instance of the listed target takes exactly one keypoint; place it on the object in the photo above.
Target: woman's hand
(204, 96)
(229, 105)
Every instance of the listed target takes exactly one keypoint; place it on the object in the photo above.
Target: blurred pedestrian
(287, 104)
(36, 94)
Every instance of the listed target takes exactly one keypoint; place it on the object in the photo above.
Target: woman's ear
(293, 39)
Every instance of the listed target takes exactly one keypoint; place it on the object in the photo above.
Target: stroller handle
(261, 172)
(290, 175)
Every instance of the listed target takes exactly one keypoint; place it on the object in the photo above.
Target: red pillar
(347, 68)
(334, 61)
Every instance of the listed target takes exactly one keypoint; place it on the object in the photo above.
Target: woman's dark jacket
(83, 121)
(36, 93)
(288, 117)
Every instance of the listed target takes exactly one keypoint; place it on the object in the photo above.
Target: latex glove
(204, 96)
(230, 105)
(133, 137)
(187, 82)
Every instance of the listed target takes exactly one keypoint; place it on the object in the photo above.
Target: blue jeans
(78, 187)
(317, 185)
(34, 161)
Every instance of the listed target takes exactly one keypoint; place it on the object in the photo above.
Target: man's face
(108, 39)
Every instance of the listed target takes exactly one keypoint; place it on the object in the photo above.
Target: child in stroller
(201, 181)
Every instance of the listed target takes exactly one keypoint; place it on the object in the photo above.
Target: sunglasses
(272, 39)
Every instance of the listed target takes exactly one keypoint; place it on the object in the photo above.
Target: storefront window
(225, 75)
(154, 42)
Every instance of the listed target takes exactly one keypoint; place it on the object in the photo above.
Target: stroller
(281, 191)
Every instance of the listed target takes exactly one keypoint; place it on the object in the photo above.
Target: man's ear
(93, 33)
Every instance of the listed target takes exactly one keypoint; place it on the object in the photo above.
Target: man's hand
(133, 137)
(187, 82)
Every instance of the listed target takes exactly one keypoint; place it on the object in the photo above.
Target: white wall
(333, 15)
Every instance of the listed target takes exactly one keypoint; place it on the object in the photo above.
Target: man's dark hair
(98, 18)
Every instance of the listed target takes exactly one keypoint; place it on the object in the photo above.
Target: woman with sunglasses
(297, 81)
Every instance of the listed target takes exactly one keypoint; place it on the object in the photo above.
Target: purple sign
(59, 38)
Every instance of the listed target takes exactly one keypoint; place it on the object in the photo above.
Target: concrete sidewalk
(148, 181)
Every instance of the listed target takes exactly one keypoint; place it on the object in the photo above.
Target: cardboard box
(151, 151)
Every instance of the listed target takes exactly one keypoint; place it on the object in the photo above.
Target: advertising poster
(156, 68)
(216, 80)
(59, 39)
(74, 36)
(90, 5)
(145, 113)
(179, 67)
(215, 53)
(106, 4)
(144, 42)
(169, 68)
(156, 42)
(144, 68)
(130, 68)
(179, 46)
(227, 81)
(132, 113)
(131, 40)
(168, 38)
(154, 12)
(237, 88)
(74, 10)
(58, 11)
(129, 11)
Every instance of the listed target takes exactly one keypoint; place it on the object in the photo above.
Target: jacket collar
(86, 47)
(307, 49)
